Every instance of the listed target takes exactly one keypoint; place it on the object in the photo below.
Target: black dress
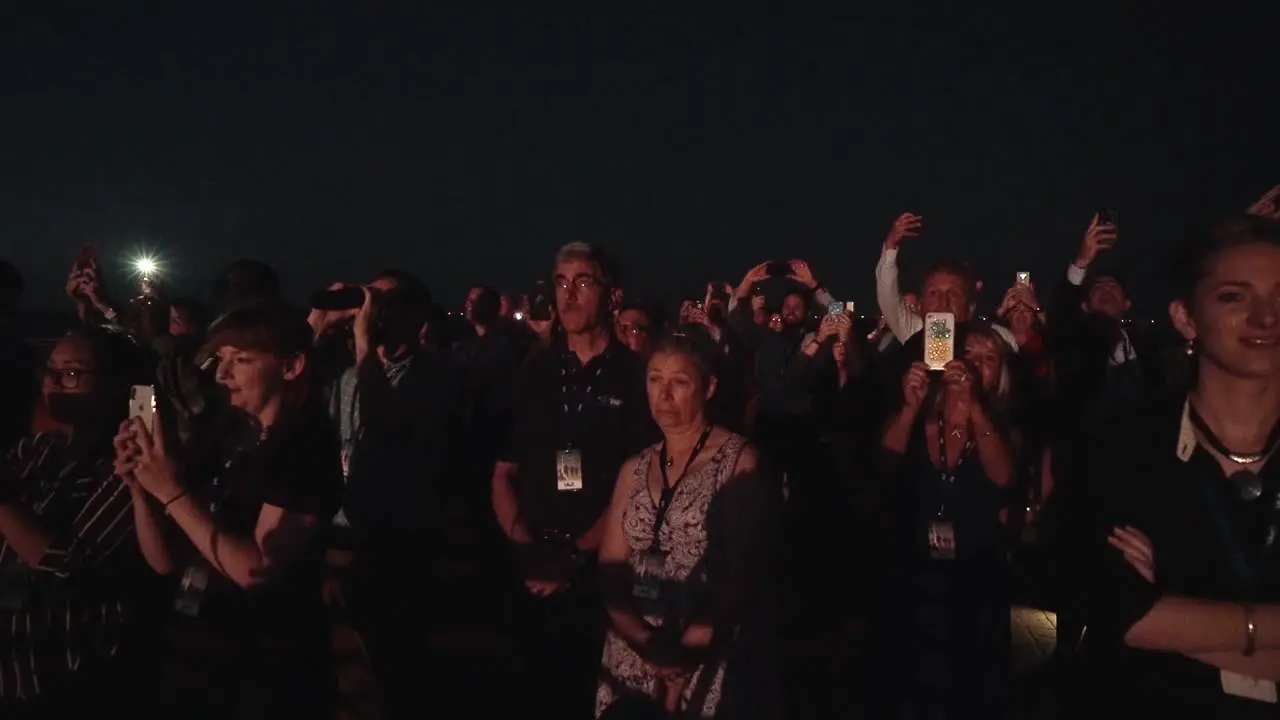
(1144, 476)
(955, 656)
(265, 651)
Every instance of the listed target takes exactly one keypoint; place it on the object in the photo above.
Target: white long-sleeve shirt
(902, 321)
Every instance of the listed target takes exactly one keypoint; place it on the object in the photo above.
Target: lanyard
(948, 476)
(1246, 574)
(669, 489)
(217, 495)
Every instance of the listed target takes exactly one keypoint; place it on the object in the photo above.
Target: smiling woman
(247, 626)
(1187, 615)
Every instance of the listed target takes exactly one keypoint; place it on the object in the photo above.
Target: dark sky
(465, 146)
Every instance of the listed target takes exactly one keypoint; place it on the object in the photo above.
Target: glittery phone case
(939, 339)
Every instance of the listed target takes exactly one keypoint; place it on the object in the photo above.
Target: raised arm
(901, 320)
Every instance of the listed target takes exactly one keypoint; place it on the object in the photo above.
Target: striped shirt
(62, 610)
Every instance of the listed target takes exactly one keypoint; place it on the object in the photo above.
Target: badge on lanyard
(569, 471)
(345, 455)
(191, 590)
(942, 540)
(653, 568)
(1248, 687)
(15, 587)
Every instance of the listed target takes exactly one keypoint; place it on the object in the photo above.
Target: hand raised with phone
(835, 327)
(1097, 238)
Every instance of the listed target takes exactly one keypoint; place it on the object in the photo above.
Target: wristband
(173, 500)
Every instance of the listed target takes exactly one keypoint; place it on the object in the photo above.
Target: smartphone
(1109, 216)
(939, 339)
(851, 307)
(777, 268)
(835, 308)
(88, 256)
(142, 404)
(1023, 278)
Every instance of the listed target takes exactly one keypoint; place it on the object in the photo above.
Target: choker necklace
(1246, 481)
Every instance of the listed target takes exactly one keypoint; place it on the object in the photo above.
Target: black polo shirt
(600, 409)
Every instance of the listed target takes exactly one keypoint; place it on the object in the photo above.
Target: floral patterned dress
(684, 540)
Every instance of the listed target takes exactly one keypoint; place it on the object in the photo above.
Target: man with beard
(579, 412)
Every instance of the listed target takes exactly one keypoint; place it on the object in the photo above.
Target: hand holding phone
(939, 339)
(142, 404)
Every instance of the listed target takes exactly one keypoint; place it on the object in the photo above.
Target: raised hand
(1097, 238)
(152, 467)
(756, 274)
(1268, 205)
(801, 273)
(907, 225)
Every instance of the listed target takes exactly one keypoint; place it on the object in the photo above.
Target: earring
(1191, 347)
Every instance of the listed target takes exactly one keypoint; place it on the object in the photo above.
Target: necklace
(697, 447)
(1246, 481)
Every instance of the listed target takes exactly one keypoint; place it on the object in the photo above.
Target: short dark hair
(196, 312)
(407, 282)
(962, 270)
(273, 328)
(486, 306)
(246, 282)
(409, 305)
(1196, 258)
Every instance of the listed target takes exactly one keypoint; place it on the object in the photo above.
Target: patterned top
(53, 615)
(684, 540)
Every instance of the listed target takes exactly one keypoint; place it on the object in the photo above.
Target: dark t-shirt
(600, 410)
(297, 467)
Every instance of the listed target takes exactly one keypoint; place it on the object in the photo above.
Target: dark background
(467, 145)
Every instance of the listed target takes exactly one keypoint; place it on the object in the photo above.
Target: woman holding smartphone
(237, 528)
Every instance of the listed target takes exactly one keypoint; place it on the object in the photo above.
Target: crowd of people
(234, 510)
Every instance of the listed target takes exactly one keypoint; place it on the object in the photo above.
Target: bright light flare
(145, 266)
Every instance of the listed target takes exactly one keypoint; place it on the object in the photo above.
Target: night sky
(466, 145)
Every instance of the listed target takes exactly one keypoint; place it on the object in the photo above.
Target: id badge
(653, 568)
(1248, 687)
(191, 590)
(569, 471)
(15, 588)
(942, 540)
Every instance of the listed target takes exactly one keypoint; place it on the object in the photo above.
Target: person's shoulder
(745, 456)
(311, 432)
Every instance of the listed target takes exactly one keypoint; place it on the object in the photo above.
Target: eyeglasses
(630, 329)
(69, 378)
(581, 282)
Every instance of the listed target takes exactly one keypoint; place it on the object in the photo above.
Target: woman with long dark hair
(238, 529)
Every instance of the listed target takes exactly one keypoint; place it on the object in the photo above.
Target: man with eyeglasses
(633, 326)
(580, 411)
